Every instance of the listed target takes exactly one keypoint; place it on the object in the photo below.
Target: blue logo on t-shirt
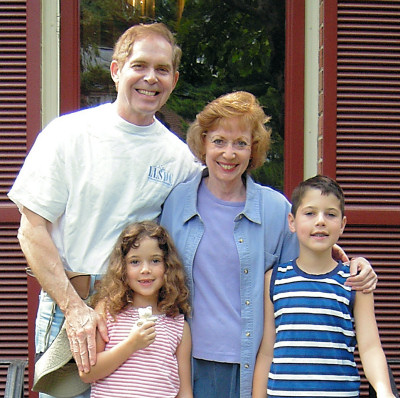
(160, 174)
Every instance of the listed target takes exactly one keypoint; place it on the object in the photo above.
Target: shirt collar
(251, 211)
(252, 207)
(190, 202)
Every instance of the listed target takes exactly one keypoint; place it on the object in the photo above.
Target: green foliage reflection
(227, 45)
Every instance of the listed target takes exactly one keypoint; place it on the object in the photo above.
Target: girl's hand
(142, 336)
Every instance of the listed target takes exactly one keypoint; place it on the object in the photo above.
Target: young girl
(143, 358)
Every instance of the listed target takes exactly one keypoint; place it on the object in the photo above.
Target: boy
(312, 320)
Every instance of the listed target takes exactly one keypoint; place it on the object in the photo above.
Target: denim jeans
(49, 320)
(215, 379)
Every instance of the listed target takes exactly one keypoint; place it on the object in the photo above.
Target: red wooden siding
(19, 124)
(13, 102)
(294, 94)
(13, 300)
(12, 92)
(362, 108)
(368, 106)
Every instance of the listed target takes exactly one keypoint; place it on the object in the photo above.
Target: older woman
(229, 232)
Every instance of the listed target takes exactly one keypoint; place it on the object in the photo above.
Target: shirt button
(247, 302)
(240, 240)
(246, 271)
(247, 334)
(246, 365)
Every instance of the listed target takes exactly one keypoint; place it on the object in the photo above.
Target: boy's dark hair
(324, 184)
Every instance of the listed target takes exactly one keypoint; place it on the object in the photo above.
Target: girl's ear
(292, 226)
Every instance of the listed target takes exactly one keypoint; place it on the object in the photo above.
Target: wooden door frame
(294, 95)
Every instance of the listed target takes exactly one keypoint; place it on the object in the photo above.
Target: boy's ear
(291, 222)
(344, 222)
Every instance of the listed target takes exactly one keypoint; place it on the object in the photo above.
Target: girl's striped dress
(315, 337)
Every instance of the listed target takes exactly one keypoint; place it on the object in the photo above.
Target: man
(92, 172)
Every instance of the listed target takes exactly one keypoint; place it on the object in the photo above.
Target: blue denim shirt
(262, 238)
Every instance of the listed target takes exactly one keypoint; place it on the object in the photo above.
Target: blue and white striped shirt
(315, 337)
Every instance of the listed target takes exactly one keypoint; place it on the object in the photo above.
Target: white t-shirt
(90, 173)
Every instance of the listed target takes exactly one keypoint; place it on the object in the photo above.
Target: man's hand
(363, 277)
(81, 326)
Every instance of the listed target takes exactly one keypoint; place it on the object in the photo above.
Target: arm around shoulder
(363, 276)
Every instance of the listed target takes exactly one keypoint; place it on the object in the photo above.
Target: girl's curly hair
(114, 292)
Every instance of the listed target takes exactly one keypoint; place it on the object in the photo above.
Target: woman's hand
(363, 276)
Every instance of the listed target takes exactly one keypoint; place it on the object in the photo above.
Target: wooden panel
(368, 106)
(363, 147)
(13, 116)
(13, 301)
(294, 94)
(381, 245)
(12, 92)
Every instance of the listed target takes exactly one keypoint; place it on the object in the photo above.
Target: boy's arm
(266, 350)
(183, 355)
(369, 346)
(109, 361)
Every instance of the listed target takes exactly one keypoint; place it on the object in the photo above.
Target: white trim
(50, 89)
(311, 70)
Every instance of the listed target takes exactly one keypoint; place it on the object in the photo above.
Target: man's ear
(114, 70)
(291, 222)
(176, 78)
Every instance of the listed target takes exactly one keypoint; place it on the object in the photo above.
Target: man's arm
(45, 262)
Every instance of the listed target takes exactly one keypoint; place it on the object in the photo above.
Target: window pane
(102, 22)
(227, 46)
